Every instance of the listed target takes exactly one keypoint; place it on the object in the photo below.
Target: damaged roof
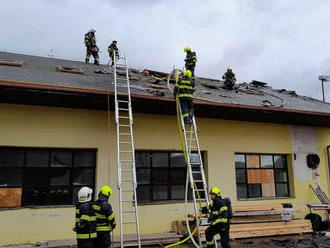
(42, 74)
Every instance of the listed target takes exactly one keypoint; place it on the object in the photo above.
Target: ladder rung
(122, 85)
(131, 244)
(198, 181)
(130, 233)
(202, 199)
(124, 117)
(127, 190)
(124, 142)
(127, 180)
(124, 125)
(122, 101)
(125, 151)
(127, 200)
(123, 109)
(129, 222)
(196, 172)
(126, 160)
(128, 211)
(194, 163)
(127, 170)
(124, 133)
(199, 190)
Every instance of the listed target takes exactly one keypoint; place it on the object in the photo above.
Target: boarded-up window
(261, 176)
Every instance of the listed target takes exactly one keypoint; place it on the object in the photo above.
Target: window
(44, 176)
(261, 176)
(161, 176)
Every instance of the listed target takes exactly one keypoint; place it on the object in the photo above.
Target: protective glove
(204, 210)
(211, 219)
(113, 226)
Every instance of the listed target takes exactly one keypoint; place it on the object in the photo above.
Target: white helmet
(93, 30)
(85, 194)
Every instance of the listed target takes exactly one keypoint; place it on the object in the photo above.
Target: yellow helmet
(187, 73)
(186, 49)
(215, 191)
(106, 190)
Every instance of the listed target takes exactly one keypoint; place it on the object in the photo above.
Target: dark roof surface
(42, 71)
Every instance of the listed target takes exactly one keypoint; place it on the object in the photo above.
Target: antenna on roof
(323, 79)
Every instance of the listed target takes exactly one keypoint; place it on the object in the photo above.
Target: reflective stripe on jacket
(185, 87)
(218, 211)
(191, 59)
(85, 221)
(104, 214)
(90, 40)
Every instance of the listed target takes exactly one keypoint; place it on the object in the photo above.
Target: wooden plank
(268, 189)
(10, 197)
(252, 161)
(256, 219)
(260, 176)
(264, 207)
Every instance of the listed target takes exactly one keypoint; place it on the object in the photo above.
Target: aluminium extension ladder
(195, 171)
(129, 221)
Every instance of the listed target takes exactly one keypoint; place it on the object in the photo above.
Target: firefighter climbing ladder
(129, 221)
(195, 172)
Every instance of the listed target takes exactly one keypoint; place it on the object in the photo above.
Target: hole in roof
(7, 62)
(67, 69)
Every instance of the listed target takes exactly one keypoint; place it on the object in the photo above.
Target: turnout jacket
(104, 214)
(191, 58)
(218, 211)
(85, 221)
(113, 49)
(185, 87)
(90, 40)
(229, 77)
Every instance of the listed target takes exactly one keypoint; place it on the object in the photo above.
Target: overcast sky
(283, 42)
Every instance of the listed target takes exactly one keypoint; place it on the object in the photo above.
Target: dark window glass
(142, 159)
(159, 176)
(36, 177)
(37, 158)
(280, 175)
(177, 160)
(61, 159)
(254, 190)
(11, 157)
(241, 191)
(83, 177)
(159, 159)
(239, 160)
(240, 176)
(194, 158)
(162, 176)
(177, 192)
(11, 177)
(159, 192)
(143, 176)
(143, 193)
(59, 176)
(280, 161)
(84, 159)
(282, 190)
(266, 161)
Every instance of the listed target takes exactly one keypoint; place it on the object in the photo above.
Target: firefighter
(230, 79)
(190, 60)
(85, 227)
(220, 213)
(92, 49)
(113, 51)
(105, 218)
(185, 89)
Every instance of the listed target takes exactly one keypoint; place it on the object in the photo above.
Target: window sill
(162, 202)
(37, 207)
(262, 199)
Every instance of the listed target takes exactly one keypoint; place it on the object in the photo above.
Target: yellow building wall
(33, 126)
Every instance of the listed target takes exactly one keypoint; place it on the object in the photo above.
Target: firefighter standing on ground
(185, 89)
(190, 61)
(92, 49)
(220, 214)
(105, 218)
(113, 51)
(230, 79)
(85, 227)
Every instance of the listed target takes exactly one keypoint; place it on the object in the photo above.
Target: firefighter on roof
(91, 47)
(190, 61)
(113, 51)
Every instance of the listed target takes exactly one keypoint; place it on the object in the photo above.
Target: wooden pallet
(263, 207)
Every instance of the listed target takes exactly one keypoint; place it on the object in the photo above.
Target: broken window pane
(83, 177)
(59, 176)
(266, 161)
(239, 160)
(61, 159)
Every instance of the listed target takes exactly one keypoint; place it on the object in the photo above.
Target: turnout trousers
(223, 230)
(103, 239)
(92, 51)
(86, 243)
(187, 108)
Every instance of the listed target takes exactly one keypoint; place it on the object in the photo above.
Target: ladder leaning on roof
(125, 158)
(195, 172)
